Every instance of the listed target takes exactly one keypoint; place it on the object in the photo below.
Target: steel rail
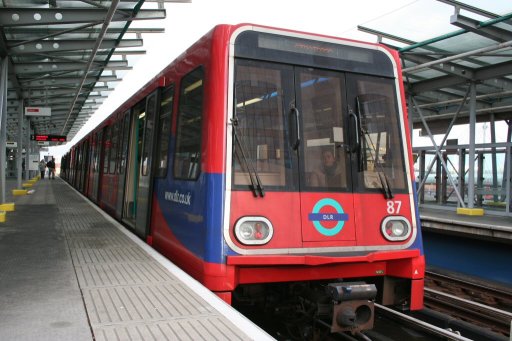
(423, 325)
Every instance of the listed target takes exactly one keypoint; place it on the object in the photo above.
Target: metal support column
(27, 150)
(421, 191)
(480, 179)
(462, 172)
(439, 177)
(3, 125)
(505, 174)
(438, 150)
(507, 162)
(19, 154)
(444, 180)
(472, 128)
(441, 145)
(493, 160)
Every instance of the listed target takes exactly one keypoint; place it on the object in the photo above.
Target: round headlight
(396, 228)
(253, 230)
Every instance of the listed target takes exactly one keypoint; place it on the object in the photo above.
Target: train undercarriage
(316, 309)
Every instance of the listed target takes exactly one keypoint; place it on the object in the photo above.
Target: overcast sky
(186, 22)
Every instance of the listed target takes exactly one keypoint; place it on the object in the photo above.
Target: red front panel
(282, 209)
(328, 218)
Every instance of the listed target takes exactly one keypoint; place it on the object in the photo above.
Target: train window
(148, 134)
(106, 151)
(187, 159)
(164, 130)
(97, 150)
(259, 145)
(381, 146)
(123, 151)
(321, 99)
(113, 148)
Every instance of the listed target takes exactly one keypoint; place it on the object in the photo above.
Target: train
(272, 165)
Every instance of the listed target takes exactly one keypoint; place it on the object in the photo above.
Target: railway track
(418, 324)
(476, 313)
(480, 304)
(484, 293)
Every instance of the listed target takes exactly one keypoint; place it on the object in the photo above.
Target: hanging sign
(49, 138)
(38, 111)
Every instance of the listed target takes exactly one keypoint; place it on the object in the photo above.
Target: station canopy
(437, 71)
(65, 56)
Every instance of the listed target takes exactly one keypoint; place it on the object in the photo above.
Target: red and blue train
(262, 160)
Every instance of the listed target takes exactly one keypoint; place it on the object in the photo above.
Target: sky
(187, 22)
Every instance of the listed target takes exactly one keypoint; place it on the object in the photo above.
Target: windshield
(381, 148)
(295, 130)
(260, 125)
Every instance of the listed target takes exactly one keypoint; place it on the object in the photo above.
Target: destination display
(49, 138)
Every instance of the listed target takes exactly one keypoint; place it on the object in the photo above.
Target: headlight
(396, 228)
(253, 230)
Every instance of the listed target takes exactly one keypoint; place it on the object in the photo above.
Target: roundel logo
(328, 210)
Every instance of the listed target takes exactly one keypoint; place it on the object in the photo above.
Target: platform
(491, 227)
(69, 272)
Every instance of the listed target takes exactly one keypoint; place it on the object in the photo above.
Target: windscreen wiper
(384, 181)
(256, 185)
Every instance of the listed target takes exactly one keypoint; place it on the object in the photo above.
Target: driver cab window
(381, 148)
(321, 100)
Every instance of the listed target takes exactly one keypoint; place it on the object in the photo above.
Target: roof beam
(448, 68)
(108, 19)
(12, 17)
(492, 32)
(459, 56)
(65, 81)
(46, 46)
(48, 67)
(469, 8)
(484, 73)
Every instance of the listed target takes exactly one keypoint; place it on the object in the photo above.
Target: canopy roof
(66, 55)
(437, 71)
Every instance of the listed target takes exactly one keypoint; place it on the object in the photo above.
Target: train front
(320, 201)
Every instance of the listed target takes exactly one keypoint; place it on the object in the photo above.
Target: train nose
(353, 308)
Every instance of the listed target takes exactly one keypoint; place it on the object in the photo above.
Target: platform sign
(48, 138)
(10, 144)
(38, 111)
(43, 143)
(33, 162)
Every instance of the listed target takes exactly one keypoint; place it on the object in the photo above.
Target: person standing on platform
(51, 169)
(42, 168)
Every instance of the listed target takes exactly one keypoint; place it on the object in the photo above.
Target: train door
(146, 167)
(132, 166)
(97, 142)
(320, 122)
(104, 149)
(84, 158)
(124, 135)
(137, 199)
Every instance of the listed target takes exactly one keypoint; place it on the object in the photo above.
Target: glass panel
(124, 148)
(99, 139)
(148, 134)
(140, 118)
(260, 130)
(164, 130)
(106, 149)
(113, 149)
(381, 147)
(187, 160)
(321, 98)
